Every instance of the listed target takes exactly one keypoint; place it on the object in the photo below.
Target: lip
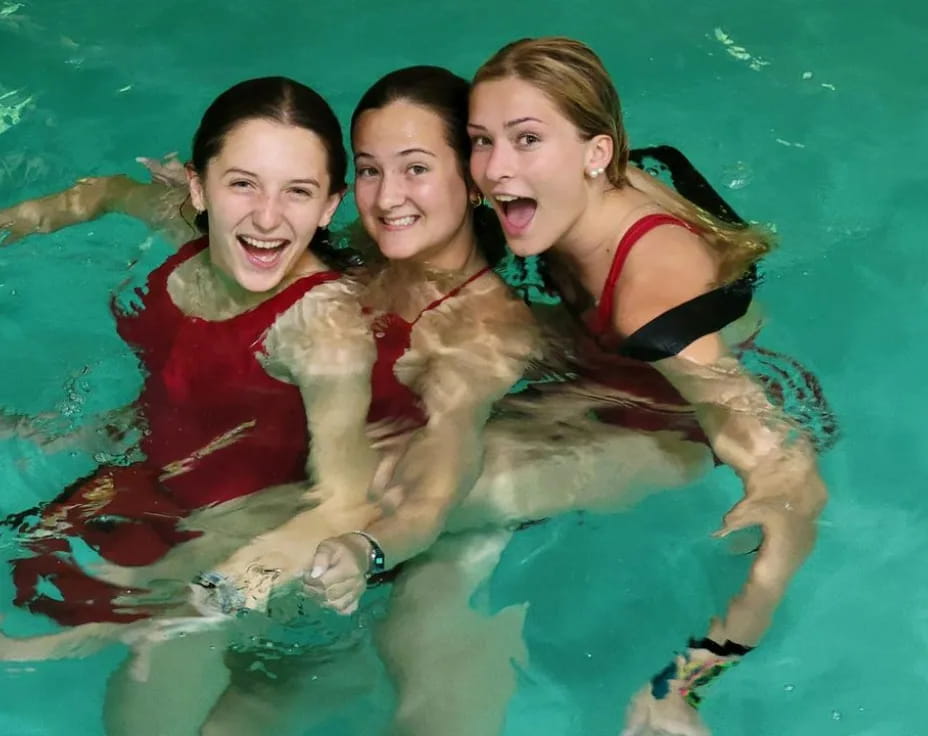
(395, 226)
(511, 229)
(265, 259)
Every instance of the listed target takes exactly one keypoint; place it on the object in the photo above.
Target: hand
(251, 575)
(669, 716)
(338, 575)
(168, 171)
(23, 219)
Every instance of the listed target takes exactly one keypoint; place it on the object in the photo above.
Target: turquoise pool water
(810, 116)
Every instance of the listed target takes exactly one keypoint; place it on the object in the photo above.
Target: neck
(588, 246)
(308, 263)
(460, 254)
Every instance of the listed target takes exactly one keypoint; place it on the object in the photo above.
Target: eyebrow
(404, 152)
(510, 123)
(310, 181)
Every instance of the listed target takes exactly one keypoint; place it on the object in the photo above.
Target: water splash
(11, 109)
(740, 52)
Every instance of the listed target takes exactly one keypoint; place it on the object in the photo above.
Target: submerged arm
(783, 493)
(325, 347)
(473, 362)
(463, 366)
(161, 206)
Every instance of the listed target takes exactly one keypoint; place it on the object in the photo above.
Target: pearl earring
(595, 172)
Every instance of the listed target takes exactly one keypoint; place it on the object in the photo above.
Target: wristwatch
(377, 562)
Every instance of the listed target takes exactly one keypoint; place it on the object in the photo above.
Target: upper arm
(323, 345)
(164, 208)
(667, 295)
(667, 267)
(323, 337)
(471, 355)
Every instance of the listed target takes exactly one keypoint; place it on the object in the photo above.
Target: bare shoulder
(668, 266)
(488, 312)
(325, 331)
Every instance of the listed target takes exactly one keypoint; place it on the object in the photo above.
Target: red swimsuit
(219, 427)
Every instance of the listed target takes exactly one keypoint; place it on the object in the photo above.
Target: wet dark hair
(446, 95)
(285, 101)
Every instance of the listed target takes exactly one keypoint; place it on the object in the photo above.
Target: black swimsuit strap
(670, 332)
(686, 180)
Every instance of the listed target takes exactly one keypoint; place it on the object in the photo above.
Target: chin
(397, 251)
(258, 283)
(527, 247)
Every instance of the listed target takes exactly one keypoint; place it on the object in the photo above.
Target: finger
(317, 594)
(343, 571)
(345, 605)
(344, 587)
(7, 236)
(326, 556)
(741, 516)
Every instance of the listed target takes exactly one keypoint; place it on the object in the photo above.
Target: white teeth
(400, 221)
(268, 244)
(505, 198)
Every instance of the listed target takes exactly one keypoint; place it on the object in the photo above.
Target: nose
(268, 212)
(391, 193)
(499, 164)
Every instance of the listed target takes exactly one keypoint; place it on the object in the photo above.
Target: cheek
(478, 165)
(225, 206)
(451, 198)
(364, 195)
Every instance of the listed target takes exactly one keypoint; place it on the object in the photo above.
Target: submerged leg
(532, 472)
(454, 667)
(167, 688)
(323, 692)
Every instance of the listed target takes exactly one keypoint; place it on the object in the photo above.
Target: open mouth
(516, 213)
(399, 223)
(262, 253)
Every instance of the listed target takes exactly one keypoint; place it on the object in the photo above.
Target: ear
(195, 184)
(330, 206)
(599, 152)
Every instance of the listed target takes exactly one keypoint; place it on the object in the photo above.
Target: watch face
(377, 559)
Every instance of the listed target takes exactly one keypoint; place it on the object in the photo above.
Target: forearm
(438, 467)
(341, 460)
(90, 198)
(86, 200)
(783, 492)
(783, 495)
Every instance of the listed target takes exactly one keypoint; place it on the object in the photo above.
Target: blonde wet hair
(574, 78)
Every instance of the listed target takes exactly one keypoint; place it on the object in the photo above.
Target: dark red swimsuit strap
(159, 276)
(453, 293)
(603, 319)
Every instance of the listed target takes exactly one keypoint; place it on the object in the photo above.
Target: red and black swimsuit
(651, 402)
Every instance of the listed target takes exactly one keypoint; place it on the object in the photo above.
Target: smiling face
(531, 162)
(409, 188)
(266, 193)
